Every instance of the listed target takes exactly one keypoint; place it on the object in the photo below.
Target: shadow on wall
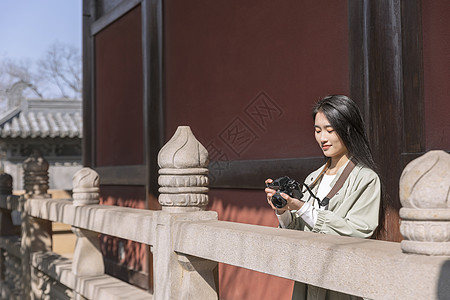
(443, 292)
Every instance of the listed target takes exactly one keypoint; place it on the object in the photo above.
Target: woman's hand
(292, 203)
(269, 193)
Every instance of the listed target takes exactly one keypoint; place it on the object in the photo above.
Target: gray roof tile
(42, 123)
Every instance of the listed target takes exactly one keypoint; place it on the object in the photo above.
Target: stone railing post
(86, 187)
(183, 174)
(87, 257)
(183, 163)
(36, 233)
(35, 178)
(424, 194)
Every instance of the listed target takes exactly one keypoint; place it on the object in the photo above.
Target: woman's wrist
(299, 204)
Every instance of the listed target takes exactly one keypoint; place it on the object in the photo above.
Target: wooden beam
(251, 174)
(122, 175)
(112, 15)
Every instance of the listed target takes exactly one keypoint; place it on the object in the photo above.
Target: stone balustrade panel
(183, 267)
(366, 268)
(102, 287)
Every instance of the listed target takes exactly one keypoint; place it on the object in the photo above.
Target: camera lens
(278, 201)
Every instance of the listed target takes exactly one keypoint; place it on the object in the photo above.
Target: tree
(56, 75)
(18, 81)
(61, 65)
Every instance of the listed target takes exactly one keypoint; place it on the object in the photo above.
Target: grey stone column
(36, 237)
(87, 257)
(35, 178)
(36, 233)
(424, 194)
(184, 187)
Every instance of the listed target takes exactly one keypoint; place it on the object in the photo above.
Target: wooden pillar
(386, 81)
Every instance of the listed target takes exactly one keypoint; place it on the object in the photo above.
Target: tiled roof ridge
(40, 120)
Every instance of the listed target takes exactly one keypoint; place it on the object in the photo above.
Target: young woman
(351, 211)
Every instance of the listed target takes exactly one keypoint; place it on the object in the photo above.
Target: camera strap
(339, 183)
(325, 168)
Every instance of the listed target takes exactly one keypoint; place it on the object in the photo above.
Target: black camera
(285, 185)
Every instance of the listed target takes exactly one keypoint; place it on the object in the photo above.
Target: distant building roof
(43, 118)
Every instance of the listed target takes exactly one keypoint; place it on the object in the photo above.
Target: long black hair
(346, 119)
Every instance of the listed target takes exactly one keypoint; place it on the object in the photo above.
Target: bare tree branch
(18, 81)
(59, 69)
(62, 66)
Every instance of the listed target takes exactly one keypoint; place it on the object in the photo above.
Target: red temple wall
(225, 59)
(436, 65)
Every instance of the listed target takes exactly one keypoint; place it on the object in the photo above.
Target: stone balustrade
(183, 267)
(425, 197)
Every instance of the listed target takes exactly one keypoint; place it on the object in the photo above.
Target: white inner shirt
(310, 209)
(325, 186)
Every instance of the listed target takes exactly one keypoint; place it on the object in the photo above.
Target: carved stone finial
(183, 174)
(425, 197)
(86, 187)
(35, 169)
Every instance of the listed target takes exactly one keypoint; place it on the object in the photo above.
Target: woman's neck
(336, 164)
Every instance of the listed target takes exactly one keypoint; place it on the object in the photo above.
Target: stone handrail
(366, 268)
(30, 264)
(111, 220)
(183, 267)
(90, 287)
(374, 269)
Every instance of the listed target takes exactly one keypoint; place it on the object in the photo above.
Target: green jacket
(353, 211)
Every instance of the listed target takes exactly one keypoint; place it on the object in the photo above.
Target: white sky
(28, 27)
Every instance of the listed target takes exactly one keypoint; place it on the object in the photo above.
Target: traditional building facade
(244, 76)
(54, 127)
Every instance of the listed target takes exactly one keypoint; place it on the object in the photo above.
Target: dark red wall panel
(119, 92)
(245, 74)
(123, 195)
(436, 60)
(134, 255)
(246, 206)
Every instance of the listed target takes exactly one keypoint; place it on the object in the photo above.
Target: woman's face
(328, 140)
